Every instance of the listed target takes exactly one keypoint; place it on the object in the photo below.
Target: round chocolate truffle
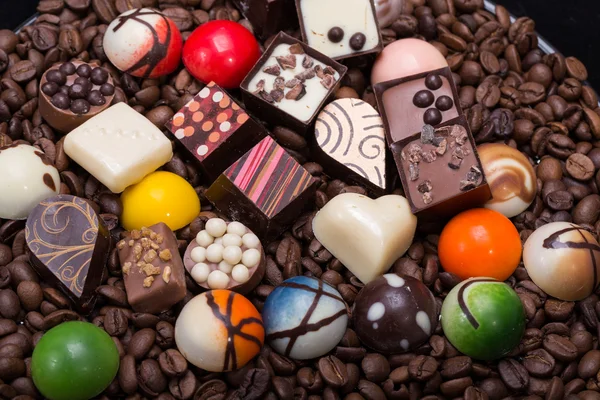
(394, 314)
(511, 178)
(335, 34)
(304, 318)
(433, 82)
(562, 259)
(432, 116)
(483, 318)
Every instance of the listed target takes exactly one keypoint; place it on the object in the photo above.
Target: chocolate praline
(394, 314)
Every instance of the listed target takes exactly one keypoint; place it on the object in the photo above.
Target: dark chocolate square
(347, 22)
(266, 189)
(268, 16)
(441, 175)
(402, 118)
(266, 104)
(215, 129)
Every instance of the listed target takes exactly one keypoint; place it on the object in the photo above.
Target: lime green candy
(74, 361)
(483, 318)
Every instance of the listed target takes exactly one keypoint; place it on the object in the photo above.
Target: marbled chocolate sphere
(510, 176)
(483, 318)
(304, 318)
(562, 259)
(394, 314)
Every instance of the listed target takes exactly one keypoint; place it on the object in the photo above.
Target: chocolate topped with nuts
(73, 92)
(152, 269)
(439, 164)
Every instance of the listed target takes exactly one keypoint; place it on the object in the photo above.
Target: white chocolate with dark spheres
(406, 57)
(563, 260)
(225, 256)
(394, 314)
(510, 176)
(27, 178)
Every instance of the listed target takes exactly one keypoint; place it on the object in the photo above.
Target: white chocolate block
(352, 16)
(119, 147)
(366, 235)
(304, 108)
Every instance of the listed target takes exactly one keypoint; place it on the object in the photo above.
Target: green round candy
(483, 318)
(74, 361)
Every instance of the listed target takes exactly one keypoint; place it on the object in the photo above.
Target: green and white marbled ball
(483, 318)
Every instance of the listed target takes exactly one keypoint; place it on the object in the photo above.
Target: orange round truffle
(480, 242)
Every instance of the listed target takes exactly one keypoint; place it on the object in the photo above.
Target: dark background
(572, 26)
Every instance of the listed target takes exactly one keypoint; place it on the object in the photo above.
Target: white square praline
(352, 16)
(119, 147)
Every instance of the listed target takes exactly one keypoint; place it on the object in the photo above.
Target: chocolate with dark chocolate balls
(263, 105)
(152, 269)
(69, 246)
(71, 94)
(406, 104)
(440, 170)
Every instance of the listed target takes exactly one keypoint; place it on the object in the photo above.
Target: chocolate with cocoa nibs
(290, 83)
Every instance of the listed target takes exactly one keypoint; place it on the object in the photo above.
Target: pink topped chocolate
(73, 92)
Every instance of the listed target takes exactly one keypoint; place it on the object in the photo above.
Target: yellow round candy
(159, 197)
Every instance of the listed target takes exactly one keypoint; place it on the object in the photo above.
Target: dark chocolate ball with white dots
(395, 314)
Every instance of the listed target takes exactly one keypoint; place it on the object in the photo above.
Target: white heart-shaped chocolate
(351, 132)
(366, 235)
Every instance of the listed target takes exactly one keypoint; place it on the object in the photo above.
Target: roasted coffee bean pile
(511, 92)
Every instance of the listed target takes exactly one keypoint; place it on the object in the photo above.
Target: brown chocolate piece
(441, 175)
(215, 129)
(66, 120)
(260, 100)
(69, 247)
(266, 189)
(269, 16)
(152, 269)
(407, 104)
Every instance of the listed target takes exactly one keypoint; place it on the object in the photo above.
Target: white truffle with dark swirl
(349, 143)
(225, 255)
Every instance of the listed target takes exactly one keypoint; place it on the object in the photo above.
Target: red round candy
(221, 51)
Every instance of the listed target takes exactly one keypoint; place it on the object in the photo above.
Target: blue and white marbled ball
(304, 318)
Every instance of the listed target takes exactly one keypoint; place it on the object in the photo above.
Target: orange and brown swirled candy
(219, 330)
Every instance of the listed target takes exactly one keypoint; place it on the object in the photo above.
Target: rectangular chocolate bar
(152, 269)
(69, 246)
(266, 189)
(406, 104)
(268, 16)
(340, 28)
(290, 83)
(215, 130)
(440, 170)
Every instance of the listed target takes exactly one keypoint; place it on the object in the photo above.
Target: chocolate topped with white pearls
(225, 255)
(394, 314)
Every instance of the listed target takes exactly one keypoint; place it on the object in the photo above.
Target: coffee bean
(580, 167)
(212, 390)
(11, 368)
(105, 10)
(422, 368)
(587, 210)
(560, 347)
(172, 363)
(255, 385)
(576, 69)
(376, 367)
(333, 371)
(141, 343)
(115, 322)
(456, 367)
(31, 295)
(10, 306)
(539, 363)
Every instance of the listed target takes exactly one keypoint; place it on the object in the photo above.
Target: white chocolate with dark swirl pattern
(351, 132)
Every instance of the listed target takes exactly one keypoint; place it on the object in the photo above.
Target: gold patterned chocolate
(69, 246)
